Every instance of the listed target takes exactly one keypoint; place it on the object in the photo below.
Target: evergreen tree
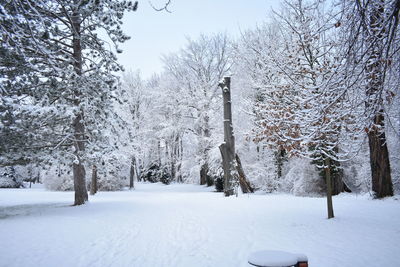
(70, 73)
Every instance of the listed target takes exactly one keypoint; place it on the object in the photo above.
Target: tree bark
(38, 177)
(159, 152)
(243, 182)
(132, 173)
(380, 166)
(205, 133)
(178, 159)
(226, 166)
(203, 174)
(138, 169)
(93, 187)
(228, 147)
(328, 188)
(379, 155)
(81, 195)
(174, 157)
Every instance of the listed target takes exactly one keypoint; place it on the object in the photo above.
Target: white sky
(155, 33)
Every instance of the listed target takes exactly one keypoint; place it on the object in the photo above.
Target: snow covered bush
(302, 178)
(151, 173)
(59, 183)
(155, 173)
(110, 183)
(190, 171)
(258, 167)
(58, 178)
(262, 177)
(215, 171)
(110, 174)
(9, 178)
(357, 172)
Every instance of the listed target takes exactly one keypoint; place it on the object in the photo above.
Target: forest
(316, 87)
(314, 99)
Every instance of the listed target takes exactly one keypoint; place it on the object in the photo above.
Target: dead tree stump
(230, 160)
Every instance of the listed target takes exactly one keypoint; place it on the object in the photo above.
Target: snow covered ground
(188, 225)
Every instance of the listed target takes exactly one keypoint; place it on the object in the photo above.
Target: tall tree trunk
(38, 177)
(228, 147)
(139, 168)
(180, 178)
(159, 153)
(328, 188)
(175, 159)
(379, 155)
(93, 187)
(173, 170)
(172, 156)
(179, 173)
(132, 173)
(81, 195)
(380, 166)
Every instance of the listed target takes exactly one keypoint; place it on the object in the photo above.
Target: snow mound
(272, 258)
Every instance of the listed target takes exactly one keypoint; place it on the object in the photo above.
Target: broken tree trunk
(228, 147)
(243, 182)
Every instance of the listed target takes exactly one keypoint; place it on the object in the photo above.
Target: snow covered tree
(329, 133)
(132, 95)
(172, 126)
(371, 43)
(28, 124)
(301, 105)
(196, 71)
(70, 70)
(273, 107)
(136, 110)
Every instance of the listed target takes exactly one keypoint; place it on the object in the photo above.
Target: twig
(163, 8)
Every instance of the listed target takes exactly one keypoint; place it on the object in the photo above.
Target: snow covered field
(188, 225)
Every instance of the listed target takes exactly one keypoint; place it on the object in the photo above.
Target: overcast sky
(155, 33)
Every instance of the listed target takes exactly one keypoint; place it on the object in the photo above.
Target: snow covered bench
(274, 258)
